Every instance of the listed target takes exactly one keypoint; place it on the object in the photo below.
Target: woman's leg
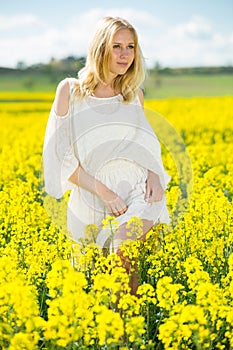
(121, 236)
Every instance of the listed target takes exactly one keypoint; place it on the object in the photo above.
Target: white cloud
(18, 21)
(197, 28)
(193, 42)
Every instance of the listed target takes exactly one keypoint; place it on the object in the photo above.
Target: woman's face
(122, 52)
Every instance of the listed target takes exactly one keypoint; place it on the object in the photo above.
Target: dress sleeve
(148, 138)
(59, 159)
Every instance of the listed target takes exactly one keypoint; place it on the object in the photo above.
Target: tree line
(71, 65)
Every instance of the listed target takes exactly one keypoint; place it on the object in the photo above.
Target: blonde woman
(99, 144)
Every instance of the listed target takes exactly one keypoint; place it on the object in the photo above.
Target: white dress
(113, 142)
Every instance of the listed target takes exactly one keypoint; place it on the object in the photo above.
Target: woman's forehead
(123, 35)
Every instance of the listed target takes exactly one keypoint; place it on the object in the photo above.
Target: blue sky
(173, 33)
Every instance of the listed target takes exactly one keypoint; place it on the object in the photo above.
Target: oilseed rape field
(57, 294)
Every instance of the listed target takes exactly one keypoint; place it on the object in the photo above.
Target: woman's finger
(121, 211)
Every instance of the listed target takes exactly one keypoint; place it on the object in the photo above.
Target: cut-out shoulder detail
(62, 98)
(141, 97)
(72, 80)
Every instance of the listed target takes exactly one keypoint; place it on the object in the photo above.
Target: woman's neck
(104, 90)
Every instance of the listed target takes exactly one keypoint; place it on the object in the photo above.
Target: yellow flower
(185, 269)
(167, 292)
(110, 222)
(134, 227)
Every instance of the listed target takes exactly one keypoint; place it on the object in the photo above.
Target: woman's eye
(117, 46)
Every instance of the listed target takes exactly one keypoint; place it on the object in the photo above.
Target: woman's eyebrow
(116, 42)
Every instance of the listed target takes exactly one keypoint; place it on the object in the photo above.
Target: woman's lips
(123, 64)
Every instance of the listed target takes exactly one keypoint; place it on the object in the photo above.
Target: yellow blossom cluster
(58, 294)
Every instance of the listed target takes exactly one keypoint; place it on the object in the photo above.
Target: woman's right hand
(111, 200)
(114, 203)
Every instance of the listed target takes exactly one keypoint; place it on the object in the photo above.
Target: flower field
(56, 294)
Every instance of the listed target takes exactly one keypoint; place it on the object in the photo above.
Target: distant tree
(52, 60)
(158, 66)
(21, 65)
(155, 76)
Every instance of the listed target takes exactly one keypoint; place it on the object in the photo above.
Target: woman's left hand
(154, 190)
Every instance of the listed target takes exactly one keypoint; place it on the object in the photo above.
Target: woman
(99, 144)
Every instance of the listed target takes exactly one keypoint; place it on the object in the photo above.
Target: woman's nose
(124, 52)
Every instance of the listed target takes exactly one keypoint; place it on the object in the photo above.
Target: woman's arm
(112, 201)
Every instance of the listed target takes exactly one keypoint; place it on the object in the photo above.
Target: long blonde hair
(97, 65)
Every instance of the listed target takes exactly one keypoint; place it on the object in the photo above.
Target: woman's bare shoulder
(62, 97)
(64, 85)
(141, 96)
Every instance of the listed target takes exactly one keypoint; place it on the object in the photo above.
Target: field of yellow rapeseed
(56, 294)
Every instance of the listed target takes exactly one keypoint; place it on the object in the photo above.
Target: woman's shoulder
(63, 93)
(138, 99)
(66, 85)
(141, 96)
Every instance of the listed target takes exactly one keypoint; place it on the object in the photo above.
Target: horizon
(21, 66)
